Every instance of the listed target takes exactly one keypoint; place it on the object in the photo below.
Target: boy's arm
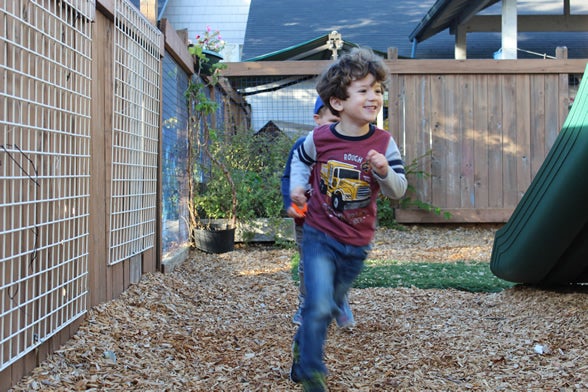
(394, 183)
(285, 188)
(302, 160)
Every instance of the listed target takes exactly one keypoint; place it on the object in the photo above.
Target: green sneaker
(295, 376)
(318, 383)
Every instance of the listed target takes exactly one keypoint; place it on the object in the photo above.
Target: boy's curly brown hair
(354, 65)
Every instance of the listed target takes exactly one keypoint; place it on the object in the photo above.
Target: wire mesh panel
(45, 92)
(134, 134)
(286, 102)
(174, 159)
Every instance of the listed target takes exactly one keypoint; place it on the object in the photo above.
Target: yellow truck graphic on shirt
(343, 184)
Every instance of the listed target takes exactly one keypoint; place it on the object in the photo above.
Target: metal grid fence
(285, 102)
(135, 133)
(45, 92)
(174, 160)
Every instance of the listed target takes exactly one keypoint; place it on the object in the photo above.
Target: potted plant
(256, 162)
(206, 155)
(207, 49)
(220, 158)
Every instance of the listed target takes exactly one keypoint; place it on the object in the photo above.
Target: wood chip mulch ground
(223, 323)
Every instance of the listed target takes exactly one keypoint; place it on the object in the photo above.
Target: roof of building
(445, 14)
(319, 48)
(273, 26)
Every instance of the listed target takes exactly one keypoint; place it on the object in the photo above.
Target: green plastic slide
(545, 241)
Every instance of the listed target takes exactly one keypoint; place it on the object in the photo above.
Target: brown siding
(489, 136)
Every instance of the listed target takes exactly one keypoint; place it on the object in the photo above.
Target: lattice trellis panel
(135, 133)
(45, 93)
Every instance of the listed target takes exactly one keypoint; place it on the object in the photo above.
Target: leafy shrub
(256, 163)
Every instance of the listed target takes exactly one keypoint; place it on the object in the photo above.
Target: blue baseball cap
(318, 105)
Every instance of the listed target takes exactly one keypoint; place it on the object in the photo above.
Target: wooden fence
(478, 129)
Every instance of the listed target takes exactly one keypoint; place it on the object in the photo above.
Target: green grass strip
(474, 276)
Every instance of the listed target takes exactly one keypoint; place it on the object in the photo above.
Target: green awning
(314, 49)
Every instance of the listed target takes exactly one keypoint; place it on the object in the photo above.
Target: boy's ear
(316, 118)
(336, 103)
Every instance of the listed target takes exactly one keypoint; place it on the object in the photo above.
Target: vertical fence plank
(496, 142)
(99, 185)
(395, 118)
(466, 139)
(553, 122)
(480, 122)
(537, 123)
(523, 130)
(424, 137)
(439, 141)
(509, 144)
(564, 99)
(453, 149)
(413, 145)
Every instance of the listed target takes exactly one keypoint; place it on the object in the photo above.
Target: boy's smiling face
(365, 100)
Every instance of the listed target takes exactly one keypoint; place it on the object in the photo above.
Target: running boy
(351, 162)
(322, 115)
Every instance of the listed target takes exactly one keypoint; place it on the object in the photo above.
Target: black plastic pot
(215, 238)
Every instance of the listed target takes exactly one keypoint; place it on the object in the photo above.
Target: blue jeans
(330, 267)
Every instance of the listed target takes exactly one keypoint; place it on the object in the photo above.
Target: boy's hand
(379, 163)
(298, 196)
(296, 212)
